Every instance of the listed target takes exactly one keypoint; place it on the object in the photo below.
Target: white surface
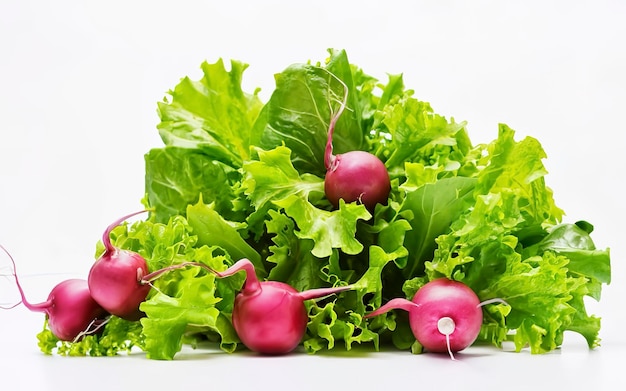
(79, 85)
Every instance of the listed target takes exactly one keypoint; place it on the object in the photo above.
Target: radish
(72, 312)
(119, 279)
(116, 279)
(270, 316)
(355, 175)
(444, 315)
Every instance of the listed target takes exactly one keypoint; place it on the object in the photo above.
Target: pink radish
(269, 316)
(444, 315)
(116, 279)
(72, 312)
(356, 175)
(119, 280)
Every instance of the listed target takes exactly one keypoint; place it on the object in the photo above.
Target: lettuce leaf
(298, 113)
(177, 177)
(430, 210)
(213, 115)
(213, 230)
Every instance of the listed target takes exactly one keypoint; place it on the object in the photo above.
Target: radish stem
(252, 283)
(322, 292)
(329, 158)
(150, 277)
(397, 303)
(40, 307)
(99, 323)
(106, 239)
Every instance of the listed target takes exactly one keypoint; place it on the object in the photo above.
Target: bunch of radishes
(269, 316)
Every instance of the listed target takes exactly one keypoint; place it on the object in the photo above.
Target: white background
(79, 82)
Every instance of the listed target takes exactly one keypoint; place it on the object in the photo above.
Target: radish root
(329, 158)
(491, 301)
(98, 323)
(446, 326)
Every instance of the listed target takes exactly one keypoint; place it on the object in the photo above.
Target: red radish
(356, 175)
(72, 312)
(445, 315)
(116, 279)
(269, 316)
(119, 280)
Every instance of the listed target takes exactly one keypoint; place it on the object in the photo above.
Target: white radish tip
(445, 325)
(140, 275)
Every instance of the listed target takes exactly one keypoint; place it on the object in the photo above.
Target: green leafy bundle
(240, 178)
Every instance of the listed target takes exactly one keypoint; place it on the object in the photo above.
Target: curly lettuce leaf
(185, 301)
(327, 229)
(510, 196)
(168, 316)
(272, 182)
(327, 327)
(213, 115)
(517, 166)
(540, 291)
(118, 336)
(342, 320)
(419, 135)
(176, 177)
(287, 247)
(272, 177)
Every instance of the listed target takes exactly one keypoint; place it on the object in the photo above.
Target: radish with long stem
(270, 316)
(355, 175)
(444, 315)
(71, 311)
